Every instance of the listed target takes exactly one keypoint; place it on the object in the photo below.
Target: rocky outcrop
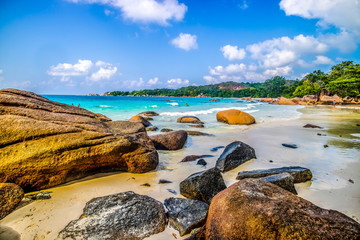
(284, 101)
(185, 214)
(10, 197)
(283, 180)
(330, 99)
(119, 216)
(45, 143)
(300, 174)
(254, 209)
(189, 119)
(214, 100)
(235, 154)
(203, 185)
(140, 119)
(235, 117)
(174, 140)
(268, 100)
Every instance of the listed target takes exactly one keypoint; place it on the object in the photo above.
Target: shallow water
(332, 167)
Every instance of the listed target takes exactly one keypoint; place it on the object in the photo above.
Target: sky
(95, 46)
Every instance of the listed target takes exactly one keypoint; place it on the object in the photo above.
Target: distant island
(343, 80)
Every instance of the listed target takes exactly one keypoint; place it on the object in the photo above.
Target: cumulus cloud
(343, 14)
(177, 82)
(185, 41)
(145, 11)
(323, 60)
(85, 68)
(284, 50)
(233, 53)
(1, 77)
(153, 81)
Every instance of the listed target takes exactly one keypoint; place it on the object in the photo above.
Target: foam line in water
(173, 103)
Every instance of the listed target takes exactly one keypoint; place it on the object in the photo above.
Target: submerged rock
(311, 126)
(197, 126)
(203, 185)
(235, 117)
(185, 214)
(194, 157)
(171, 141)
(288, 145)
(45, 143)
(283, 180)
(214, 149)
(151, 128)
(201, 162)
(197, 133)
(300, 174)
(166, 130)
(254, 209)
(149, 114)
(189, 119)
(119, 216)
(10, 197)
(235, 154)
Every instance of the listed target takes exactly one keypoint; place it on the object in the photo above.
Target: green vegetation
(343, 79)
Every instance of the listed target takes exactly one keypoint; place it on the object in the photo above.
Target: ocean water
(170, 108)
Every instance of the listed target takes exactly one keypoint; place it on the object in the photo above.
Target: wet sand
(330, 188)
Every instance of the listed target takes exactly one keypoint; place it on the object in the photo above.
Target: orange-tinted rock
(254, 209)
(10, 197)
(331, 99)
(141, 120)
(268, 100)
(235, 117)
(45, 143)
(284, 101)
(189, 119)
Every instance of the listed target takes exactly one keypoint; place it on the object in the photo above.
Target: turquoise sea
(170, 108)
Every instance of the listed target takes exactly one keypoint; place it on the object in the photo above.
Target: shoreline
(329, 188)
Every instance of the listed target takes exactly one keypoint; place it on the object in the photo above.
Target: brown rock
(149, 114)
(268, 100)
(170, 141)
(141, 120)
(254, 209)
(10, 197)
(197, 133)
(45, 143)
(189, 119)
(235, 117)
(191, 158)
(215, 100)
(330, 99)
(197, 125)
(284, 101)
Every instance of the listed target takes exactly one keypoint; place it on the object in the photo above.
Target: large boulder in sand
(235, 117)
(189, 119)
(254, 209)
(45, 143)
(174, 140)
(119, 216)
(10, 197)
(235, 154)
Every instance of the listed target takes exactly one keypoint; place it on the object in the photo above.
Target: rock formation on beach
(255, 209)
(233, 116)
(45, 143)
(174, 140)
(10, 197)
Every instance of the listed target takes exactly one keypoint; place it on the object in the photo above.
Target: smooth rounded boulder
(174, 140)
(141, 120)
(255, 209)
(235, 117)
(189, 119)
(10, 197)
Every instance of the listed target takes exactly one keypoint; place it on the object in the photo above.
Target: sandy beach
(332, 167)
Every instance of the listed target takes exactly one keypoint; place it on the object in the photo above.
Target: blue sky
(93, 46)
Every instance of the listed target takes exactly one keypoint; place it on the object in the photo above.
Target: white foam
(173, 103)
(105, 106)
(355, 135)
(204, 112)
(154, 106)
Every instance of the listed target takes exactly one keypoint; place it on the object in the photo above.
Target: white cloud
(185, 41)
(323, 60)
(176, 82)
(284, 50)
(344, 14)
(279, 71)
(85, 68)
(233, 53)
(1, 77)
(153, 81)
(145, 11)
(243, 5)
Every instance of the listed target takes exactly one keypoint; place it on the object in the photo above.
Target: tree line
(343, 79)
